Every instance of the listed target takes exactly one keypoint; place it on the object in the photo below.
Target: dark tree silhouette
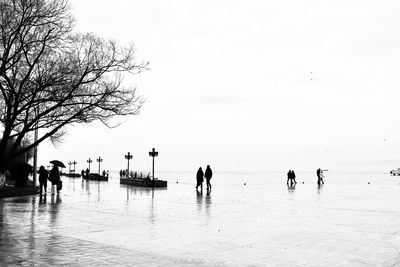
(51, 77)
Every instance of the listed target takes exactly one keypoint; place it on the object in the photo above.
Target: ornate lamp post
(153, 153)
(74, 163)
(128, 157)
(89, 161)
(99, 160)
(70, 163)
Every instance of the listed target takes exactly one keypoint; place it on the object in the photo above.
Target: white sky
(251, 85)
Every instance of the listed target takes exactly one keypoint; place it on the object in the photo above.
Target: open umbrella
(57, 163)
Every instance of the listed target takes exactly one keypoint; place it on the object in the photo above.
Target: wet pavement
(257, 224)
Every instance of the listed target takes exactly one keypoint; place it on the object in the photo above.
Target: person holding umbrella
(54, 176)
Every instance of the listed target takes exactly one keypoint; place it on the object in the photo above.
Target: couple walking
(291, 176)
(200, 178)
(53, 177)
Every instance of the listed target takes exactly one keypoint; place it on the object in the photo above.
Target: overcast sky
(250, 85)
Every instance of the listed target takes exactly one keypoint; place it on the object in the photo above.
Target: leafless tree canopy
(51, 77)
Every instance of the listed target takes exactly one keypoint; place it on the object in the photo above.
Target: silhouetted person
(200, 179)
(43, 175)
(289, 177)
(293, 178)
(208, 175)
(87, 172)
(320, 177)
(54, 178)
(83, 174)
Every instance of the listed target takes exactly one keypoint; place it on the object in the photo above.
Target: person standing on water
(200, 179)
(208, 175)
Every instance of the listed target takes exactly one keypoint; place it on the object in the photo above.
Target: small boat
(95, 177)
(395, 172)
(146, 182)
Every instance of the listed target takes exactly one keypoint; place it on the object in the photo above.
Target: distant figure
(87, 172)
(108, 173)
(54, 178)
(200, 179)
(83, 174)
(293, 177)
(104, 173)
(320, 177)
(208, 175)
(120, 173)
(43, 175)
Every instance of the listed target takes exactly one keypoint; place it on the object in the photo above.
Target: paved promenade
(107, 224)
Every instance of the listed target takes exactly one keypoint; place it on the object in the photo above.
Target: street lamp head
(153, 153)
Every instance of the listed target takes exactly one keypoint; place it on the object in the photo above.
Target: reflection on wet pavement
(107, 224)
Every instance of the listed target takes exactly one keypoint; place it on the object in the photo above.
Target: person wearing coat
(54, 178)
(200, 179)
(208, 175)
(43, 175)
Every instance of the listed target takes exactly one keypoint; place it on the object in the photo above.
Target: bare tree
(51, 77)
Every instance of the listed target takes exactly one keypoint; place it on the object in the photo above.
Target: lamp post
(153, 153)
(35, 138)
(89, 161)
(128, 157)
(69, 163)
(99, 160)
(74, 163)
